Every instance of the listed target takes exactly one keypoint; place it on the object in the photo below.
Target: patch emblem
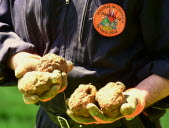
(109, 20)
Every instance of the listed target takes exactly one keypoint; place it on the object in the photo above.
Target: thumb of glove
(130, 106)
(29, 64)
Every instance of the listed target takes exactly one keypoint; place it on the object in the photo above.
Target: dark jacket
(66, 29)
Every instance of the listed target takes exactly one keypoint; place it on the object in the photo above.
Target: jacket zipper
(67, 1)
(83, 20)
(64, 27)
(65, 18)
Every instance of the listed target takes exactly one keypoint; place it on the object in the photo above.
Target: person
(107, 41)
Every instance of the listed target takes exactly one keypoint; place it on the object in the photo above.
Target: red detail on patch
(109, 20)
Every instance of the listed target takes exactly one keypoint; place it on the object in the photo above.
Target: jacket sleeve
(10, 43)
(154, 21)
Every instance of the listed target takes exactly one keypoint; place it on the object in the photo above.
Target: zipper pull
(67, 1)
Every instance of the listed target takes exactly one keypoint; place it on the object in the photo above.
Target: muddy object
(110, 98)
(36, 83)
(49, 79)
(50, 68)
(83, 95)
(51, 62)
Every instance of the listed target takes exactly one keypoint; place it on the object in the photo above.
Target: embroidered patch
(109, 20)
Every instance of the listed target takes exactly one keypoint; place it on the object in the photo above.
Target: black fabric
(56, 105)
(43, 117)
(4, 80)
(43, 120)
(142, 121)
(2, 74)
(162, 104)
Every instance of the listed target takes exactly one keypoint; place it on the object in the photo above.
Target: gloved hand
(97, 116)
(41, 86)
(135, 103)
(23, 62)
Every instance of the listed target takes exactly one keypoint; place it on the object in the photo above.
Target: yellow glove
(42, 86)
(24, 62)
(40, 78)
(113, 103)
(129, 110)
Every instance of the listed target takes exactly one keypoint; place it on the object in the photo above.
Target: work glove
(24, 63)
(42, 86)
(134, 105)
(38, 76)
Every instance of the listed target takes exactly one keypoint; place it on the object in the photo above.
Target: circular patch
(109, 20)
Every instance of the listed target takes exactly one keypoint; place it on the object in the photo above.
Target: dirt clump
(51, 62)
(36, 83)
(50, 75)
(82, 96)
(110, 98)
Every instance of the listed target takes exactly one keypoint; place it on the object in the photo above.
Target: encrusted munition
(51, 62)
(83, 95)
(36, 83)
(47, 80)
(110, 98)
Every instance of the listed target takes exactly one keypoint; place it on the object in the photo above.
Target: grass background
(14, 113)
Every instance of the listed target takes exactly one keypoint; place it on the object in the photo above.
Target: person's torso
(66, 29)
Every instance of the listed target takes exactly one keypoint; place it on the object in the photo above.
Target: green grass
(14, 113)
(165, 120)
